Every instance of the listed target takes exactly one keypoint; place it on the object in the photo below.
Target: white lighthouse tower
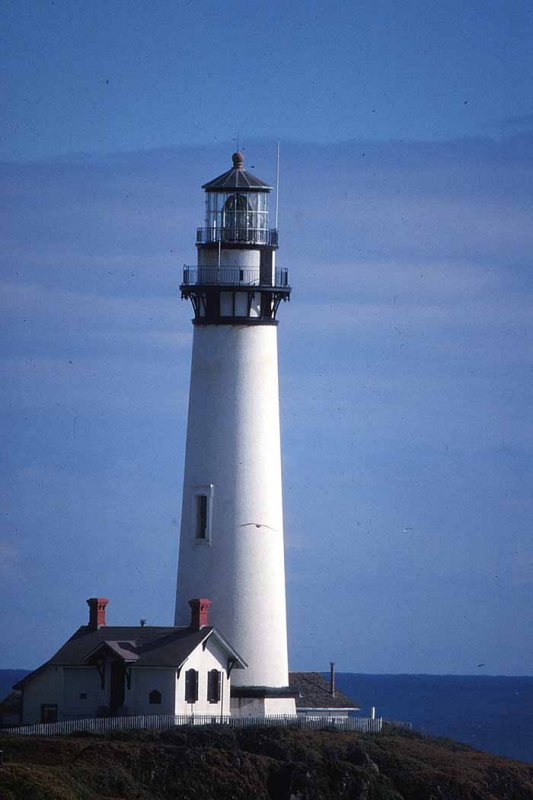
(231, 546)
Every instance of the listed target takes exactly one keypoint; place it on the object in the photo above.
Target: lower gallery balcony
(235, 276)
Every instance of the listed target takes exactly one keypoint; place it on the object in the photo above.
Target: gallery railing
(235, 276)
(230, 235)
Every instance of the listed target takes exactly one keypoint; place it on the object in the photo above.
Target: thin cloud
(518, 121)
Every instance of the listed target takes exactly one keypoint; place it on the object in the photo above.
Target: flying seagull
(257, 525)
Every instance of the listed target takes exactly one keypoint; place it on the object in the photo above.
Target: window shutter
(213, 686)
(191, 686)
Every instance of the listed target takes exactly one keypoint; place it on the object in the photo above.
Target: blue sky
(106, 77)
(405, 355)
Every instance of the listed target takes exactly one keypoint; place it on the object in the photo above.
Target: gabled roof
(127, 651)
(237, 178)
(313, 692)
(140, 646)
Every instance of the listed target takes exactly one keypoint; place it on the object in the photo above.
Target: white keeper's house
(104, 670)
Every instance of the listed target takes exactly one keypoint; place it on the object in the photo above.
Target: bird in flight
(257, 525)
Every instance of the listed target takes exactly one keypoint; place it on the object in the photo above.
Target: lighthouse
(231, 543)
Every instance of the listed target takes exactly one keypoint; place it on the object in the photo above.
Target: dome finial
(238, 160)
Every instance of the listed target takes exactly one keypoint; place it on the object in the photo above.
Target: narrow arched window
(191, 686)
(154, 698)
(213, 686)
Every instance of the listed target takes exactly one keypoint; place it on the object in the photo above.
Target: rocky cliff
(218, 763)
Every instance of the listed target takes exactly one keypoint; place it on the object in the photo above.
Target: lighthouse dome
(237, 178)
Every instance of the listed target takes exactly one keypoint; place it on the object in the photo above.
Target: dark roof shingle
(145, 646)
(314, 692)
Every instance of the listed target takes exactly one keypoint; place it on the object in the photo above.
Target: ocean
(490, 713)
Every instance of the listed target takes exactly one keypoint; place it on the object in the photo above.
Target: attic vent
(154, 698)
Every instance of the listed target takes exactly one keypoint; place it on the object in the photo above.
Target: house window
(154, 698)
(49, 712)
(191, 686)
(83, 695)
(213, 686)
(201, 516)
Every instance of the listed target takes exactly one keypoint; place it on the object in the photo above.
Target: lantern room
(236, 209)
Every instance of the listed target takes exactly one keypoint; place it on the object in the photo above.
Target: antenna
(277, 187)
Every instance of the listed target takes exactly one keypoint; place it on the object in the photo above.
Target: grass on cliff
(262, 763)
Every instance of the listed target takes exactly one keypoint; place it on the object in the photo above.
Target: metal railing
(231, 235)
(234, 276)
(168, 721)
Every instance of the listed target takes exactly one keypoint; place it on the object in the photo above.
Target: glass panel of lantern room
(252, 209)
(262, 209)
(235, 218)
(259, 213)
(212, 209)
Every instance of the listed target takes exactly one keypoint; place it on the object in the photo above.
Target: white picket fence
(166, 721)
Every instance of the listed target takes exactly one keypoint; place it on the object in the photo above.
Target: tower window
(154, 698)
(213, 686)
(191, 686)
(201, 516)
(201, 512)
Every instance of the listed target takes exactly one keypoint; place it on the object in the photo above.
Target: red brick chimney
(97, 612)
(199, 613)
